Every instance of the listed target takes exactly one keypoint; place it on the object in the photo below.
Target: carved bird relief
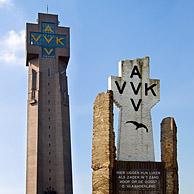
(138, 125)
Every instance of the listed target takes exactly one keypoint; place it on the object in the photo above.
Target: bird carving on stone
(138, 125)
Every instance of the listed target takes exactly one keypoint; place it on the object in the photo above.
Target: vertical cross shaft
(135, 94)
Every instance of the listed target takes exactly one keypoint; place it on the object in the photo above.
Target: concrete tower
(49, 169)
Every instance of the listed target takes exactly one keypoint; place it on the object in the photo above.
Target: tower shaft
(49, 169)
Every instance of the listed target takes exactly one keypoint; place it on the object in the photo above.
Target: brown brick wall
(103, 148)
(169, 154)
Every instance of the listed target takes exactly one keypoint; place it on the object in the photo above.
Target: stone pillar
(169, 154)
(103, 148)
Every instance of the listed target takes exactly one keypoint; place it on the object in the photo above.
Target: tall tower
(49, 169)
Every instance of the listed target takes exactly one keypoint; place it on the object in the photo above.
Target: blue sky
(102, 33)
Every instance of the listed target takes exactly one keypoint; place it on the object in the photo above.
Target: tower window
(49, 72)
(33, 84)
(34, 78)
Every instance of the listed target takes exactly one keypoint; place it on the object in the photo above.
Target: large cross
(48, 36)
(135, 94)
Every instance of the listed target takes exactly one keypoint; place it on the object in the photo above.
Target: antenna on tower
(47, 7)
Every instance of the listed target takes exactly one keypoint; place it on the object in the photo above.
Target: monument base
(139, 177)
(130, 177)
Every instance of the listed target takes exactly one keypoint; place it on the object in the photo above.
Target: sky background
(102, 33)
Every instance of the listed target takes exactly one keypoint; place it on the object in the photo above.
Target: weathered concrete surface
(135, 94)
(103, 145)
(32, 136)
(169, 154)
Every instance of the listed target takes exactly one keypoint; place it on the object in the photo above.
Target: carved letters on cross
(136, 88)
(132, 86)
(47, 39)
(135, 94)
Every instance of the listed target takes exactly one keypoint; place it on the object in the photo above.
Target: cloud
(13, 48)
(4, 3)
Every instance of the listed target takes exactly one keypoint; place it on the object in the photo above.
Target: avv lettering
(136, 88)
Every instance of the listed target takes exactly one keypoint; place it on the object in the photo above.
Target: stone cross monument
(49, 169)
(130, 168)
(135, 94)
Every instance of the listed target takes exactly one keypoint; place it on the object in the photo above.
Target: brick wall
(169, 154)
(103, 148)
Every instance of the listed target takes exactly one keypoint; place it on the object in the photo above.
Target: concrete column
(103, 148)
(169, 154)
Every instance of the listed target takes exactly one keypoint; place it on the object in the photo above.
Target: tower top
(48, 17)
(47, 39)
(47, 7)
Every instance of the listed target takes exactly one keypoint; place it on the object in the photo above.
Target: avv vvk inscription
(135, 94)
